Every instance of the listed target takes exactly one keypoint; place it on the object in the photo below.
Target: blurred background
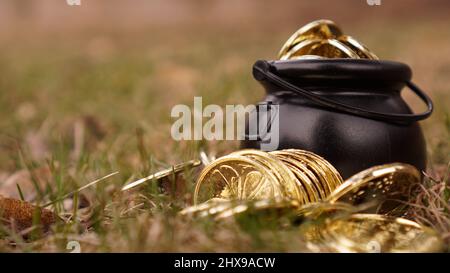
(93, 85)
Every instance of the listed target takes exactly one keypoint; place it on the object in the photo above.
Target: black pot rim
(343, 69)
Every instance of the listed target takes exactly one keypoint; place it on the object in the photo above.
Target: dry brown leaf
(19, 214)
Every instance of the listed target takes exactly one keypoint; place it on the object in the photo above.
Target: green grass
(77, 108)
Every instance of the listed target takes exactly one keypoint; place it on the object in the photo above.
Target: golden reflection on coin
(218, 208)
(320, 209)
(389, 185)
(209, 208)
(329, 48)
(287, 179)
(304, 177)
(320, 29)
(223, 208)
(333, 48)
(265, 206)
(313, 171)
(236, 177)
(307, 57)
(323, 38)
(371, 233)
(329, 177)
(303, 48)
(357, 47)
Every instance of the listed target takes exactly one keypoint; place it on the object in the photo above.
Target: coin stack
(252, 174)
(303, 177)
(323, 39)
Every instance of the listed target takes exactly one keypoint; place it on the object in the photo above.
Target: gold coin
(287, 179)
(304, 176)
(236, 177)
(301, 49)
(323, 38)
(330, 48)
(371, 233)
(261, 207)
(303, 180)
(357, 47)
(318, 171)
(388, 185)
(301, 164)
(307, 57)
(319, 209)
(333, 48)
(222, 208)
(210, 207)
(320, 29)
(333, 175)
(328, 176)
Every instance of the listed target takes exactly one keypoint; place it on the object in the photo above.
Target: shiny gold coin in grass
(370, 233)
(265, 207)
(389, 186)
(236, 177)
(221, 208)
(218, 208)
(320, 29)
(208, 208)
(287, 180)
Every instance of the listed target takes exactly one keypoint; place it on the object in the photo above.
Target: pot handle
(262, 71)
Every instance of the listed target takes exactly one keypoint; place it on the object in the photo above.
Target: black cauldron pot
(348, 111)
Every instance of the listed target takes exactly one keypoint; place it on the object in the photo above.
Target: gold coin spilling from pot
(324, 39)
(305, 177)
(298, 184)
(360, 214)
(252, 174)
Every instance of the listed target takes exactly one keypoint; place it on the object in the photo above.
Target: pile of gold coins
(323, 39)
(360, 212)
(371, 233)
(252, 174)
(305, 178)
